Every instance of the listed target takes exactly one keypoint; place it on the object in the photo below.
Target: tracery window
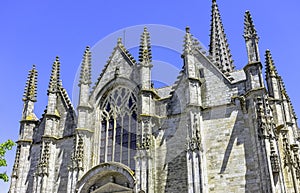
(118, 127)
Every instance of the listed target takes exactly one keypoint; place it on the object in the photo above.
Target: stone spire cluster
(219, 47)
(55, 83)
(200, 134)
(31, 86)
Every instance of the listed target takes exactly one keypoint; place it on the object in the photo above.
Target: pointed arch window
(118, 126)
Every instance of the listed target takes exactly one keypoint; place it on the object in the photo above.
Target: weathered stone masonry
(215, 129)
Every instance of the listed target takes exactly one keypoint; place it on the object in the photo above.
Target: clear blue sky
(34, 32)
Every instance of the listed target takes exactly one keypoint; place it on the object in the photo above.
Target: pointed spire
(119, 41)
(270, 67)
(31, 86)
(55, 83)
(219, 47)
(145, 55)
(249, 28)
(85, 73)
(188, 42)
(251, 39)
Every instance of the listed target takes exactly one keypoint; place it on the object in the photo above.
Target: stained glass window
(118, 126)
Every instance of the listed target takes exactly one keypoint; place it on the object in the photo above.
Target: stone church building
(216, 129)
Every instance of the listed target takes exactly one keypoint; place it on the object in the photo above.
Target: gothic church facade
(216, 129)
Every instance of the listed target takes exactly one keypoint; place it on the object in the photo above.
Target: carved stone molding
(274, 163)
(78, 157)
(145, 142)
(43, 165)
(16, 164)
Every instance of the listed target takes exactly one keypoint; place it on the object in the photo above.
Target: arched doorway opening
(109, 177)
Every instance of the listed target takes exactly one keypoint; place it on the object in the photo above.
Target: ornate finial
(270, 67)
(187, 29)
(85, 73)
(31, 86)
(188, 42)
(249, 29)
(251, 39)
(55, 84)
(219, 47)
(145, 55)
(119, 41)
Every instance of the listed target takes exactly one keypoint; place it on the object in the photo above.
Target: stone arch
(107, 177)
(120, 81)
(118, 123)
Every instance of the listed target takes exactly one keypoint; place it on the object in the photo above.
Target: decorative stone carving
(43, 165)
(146, 142)
(286, 147)
(194, 144)
(136, 132)
(117, 72)
(274, 163)
(296, 164)
(260, 118)
(274, 158)
(78, 157)
(85, 73)
(242, 101)
(194, 83)
(16, 164)
(146, 125)
(265, 119)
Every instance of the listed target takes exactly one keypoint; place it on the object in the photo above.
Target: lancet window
(118, 126)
